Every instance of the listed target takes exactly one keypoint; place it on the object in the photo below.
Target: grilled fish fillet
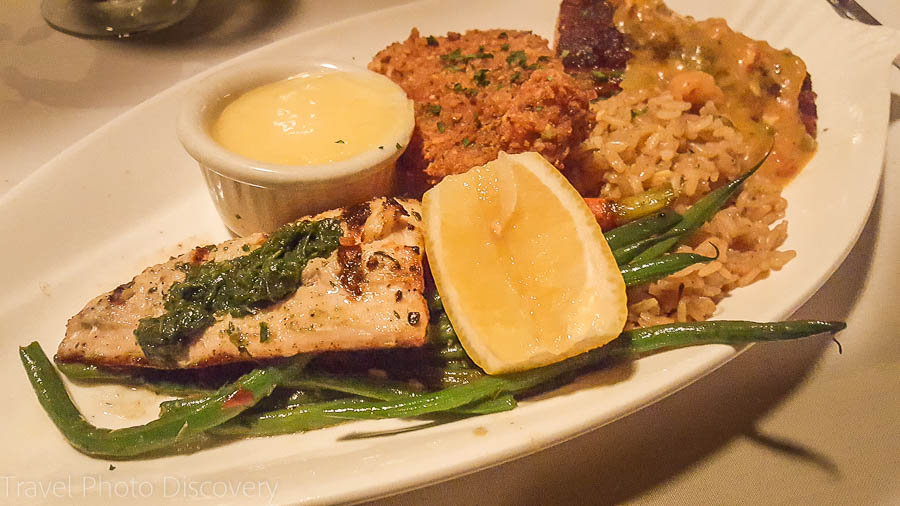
(365, 295)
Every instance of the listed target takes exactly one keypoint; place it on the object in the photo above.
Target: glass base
(114, 18)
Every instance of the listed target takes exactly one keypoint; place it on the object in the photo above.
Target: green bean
(354, 386)
(503, 402)
(678, 335)
(319, 415)
(651, 270)
(458, 376)
(702, 211)
(92, 373)
(440, 330)
(281, 398)
(304, 396)
(442, 400)
(630, 344)
(481, 396)
(644, 204)
(362, 387)
(641, 229)
(453, 351)
(83, 373)
(286, 421)
(656, 250)
(379, 389)
(434, 301)
(181, 426)
(385, 390)
(626, 253)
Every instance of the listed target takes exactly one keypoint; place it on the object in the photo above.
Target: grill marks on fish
(347, 301)
(352, 275)
(119, 295)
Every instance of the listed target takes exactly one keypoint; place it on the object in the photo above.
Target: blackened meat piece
(806, 104)
(586, 31)
(587, 41)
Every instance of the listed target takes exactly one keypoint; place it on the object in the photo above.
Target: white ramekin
(253, 196)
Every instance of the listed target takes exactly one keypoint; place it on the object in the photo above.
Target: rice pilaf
(644, 138)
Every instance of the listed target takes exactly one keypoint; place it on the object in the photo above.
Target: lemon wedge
(522, 267)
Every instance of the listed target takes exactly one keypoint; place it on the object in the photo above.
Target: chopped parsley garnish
(480, 78)
(431, 41)
(441, 127)
(399, 146)
(515, 77)
(563, 54)
(433, 109)
(237, 338)
(517, 58)
(263, 332)
(601, 76)
(638, 112)
(459, 88)
(482, 55)
(502, 35)
(466, 142)
(239, 286)
(456, 57)
(504, 47)
(543, 59)
(245, 247)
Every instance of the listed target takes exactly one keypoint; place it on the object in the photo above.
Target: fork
(849, 9)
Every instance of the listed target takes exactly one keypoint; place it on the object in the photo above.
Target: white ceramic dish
(253, 196)
(127, 195)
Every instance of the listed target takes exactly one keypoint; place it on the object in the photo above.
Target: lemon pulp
(522, 266)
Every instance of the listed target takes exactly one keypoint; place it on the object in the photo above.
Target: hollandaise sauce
(313, 118)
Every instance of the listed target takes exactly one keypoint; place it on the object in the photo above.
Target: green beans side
(630, 344)
(679, 335)
(84, 373)
(219, 414)
(641, 229)
(658, 268)
(179, 427)
(643, 204)
(702, 211)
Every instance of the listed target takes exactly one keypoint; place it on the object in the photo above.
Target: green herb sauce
(238, 286)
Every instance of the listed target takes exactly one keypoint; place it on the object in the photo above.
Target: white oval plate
(128, 196)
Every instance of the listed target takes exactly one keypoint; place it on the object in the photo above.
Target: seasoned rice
(643, 139)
